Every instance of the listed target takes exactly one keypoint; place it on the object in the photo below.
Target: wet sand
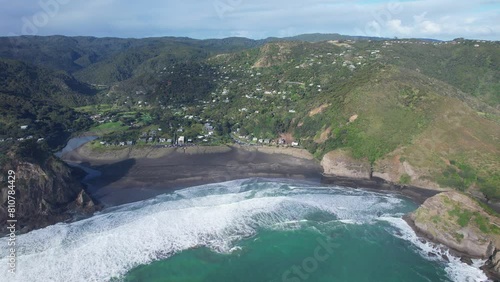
(128, 175)
(124, 179)
(417, 194)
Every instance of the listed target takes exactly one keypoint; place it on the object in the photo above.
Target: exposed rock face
(455, 220)
(45, 193)
(391, 168)
(340, 163)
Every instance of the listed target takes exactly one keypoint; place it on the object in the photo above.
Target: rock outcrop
(47, 191)
(394, 169)
(340, 163)
(459, 222)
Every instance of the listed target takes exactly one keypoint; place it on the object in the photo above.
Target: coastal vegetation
(431, 106)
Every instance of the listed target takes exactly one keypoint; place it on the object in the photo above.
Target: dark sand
(417, 194)
(134, 179)
(134, 175)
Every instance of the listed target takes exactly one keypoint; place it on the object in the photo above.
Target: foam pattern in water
(456, 269)
(113, 242)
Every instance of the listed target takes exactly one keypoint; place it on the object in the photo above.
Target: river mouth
(75, 143)
(249, 230)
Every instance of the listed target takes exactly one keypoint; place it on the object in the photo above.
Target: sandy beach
(129, 175)
(120, 176)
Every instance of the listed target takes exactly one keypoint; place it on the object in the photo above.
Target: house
(208, 127)
(181, 140)
(255, 139)
(295, 144)
(162, 140)
(122, 143)
(150, 139)
(267, 141)
(24, 127)
(130, 143)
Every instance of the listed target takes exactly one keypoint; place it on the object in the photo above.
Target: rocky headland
(462, 224)
(47, 191)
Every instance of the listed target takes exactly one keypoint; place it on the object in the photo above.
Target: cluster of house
(152, 137)
(29, 137)
(279, 141)
(100, 119)
(435, 43)
(10, 139)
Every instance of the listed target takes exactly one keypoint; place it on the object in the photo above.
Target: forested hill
(418, 112)
(108, 60)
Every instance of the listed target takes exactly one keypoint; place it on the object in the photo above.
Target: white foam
(113, 242)
(455, 268)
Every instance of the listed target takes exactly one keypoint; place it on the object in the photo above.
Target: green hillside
(403, 111)
(42, 100)
(418, 112)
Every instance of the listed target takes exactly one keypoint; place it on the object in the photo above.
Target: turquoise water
(247, 230)
(358, 254)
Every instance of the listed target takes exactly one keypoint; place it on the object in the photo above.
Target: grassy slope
(403, 113)
(406, 108)
(470, 67)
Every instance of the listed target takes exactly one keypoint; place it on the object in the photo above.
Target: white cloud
(442, 19)
(398, 28)
(429, 27)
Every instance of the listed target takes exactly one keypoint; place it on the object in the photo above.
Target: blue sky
(440, 19)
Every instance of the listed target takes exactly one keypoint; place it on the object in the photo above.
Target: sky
(257, 19)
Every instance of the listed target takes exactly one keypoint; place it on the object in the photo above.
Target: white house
(181, 140)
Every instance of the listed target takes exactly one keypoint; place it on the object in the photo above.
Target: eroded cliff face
(340, 163)
(457, 221)
(46, 193)
(391, 169)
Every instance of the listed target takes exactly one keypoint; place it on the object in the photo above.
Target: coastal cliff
(340, 163)
(47, 190)
(459, 222)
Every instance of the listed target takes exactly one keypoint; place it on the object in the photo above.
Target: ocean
(246, 230)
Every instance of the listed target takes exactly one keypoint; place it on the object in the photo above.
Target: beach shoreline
(129, 175)
(133, 174)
